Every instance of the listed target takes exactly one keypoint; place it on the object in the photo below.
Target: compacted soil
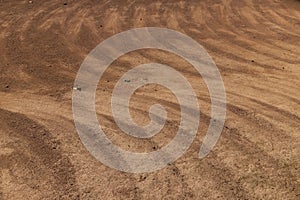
(254, 43)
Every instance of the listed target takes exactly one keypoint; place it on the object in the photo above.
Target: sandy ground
(255, 44)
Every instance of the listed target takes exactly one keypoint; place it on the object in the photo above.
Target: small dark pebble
(65, 3)
(252, 60)
(7, 86)
(143, 177)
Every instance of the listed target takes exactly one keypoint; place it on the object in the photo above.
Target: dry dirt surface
(256, 46)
